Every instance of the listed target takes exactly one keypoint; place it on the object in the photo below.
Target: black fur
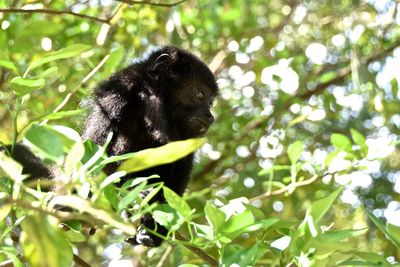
(161, 98)
(32, 165)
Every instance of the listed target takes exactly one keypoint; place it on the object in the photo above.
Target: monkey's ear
(161, 62)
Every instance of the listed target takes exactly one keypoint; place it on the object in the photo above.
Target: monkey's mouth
(201, 126)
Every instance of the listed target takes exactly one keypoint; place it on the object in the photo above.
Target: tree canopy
(300, 168)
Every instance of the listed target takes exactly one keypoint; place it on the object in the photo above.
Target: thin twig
(7, 263)
(197, 251)
(134, 2)
(289, 187)
(80, 262)
(53, 12)
(84, 80)
(165, 256)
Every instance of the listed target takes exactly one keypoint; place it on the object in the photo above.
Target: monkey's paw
(144, 238)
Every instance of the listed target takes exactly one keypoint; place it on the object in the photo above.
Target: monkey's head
(187, 88)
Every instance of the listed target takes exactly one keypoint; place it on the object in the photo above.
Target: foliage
(301, 167)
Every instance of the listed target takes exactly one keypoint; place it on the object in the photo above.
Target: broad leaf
(168, 153)
(176, 202)
(341, 142)
(168, 216)
(319, 208)
(215, 217)
(45, 142)
(382, 227)
(67, 52)
(22, 86)
(294, 151)
(44, 244)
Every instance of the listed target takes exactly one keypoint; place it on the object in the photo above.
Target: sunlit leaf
(339, 235)
(204, 231)
(237, 222)
(8, 65)
(42, 28)
(168, 153)
(112, 63)
(10, 166)
(4, 211)
(62, 114)
(341, 142)
(242, 256)
(67, 52)
(359, 139)
(168, 216)
(294, 151)
(22, 86)
(45, 142)
(44, 244)
(215, 216)
(320, 207)
(130, 197)
(176, 202)
(382, 227)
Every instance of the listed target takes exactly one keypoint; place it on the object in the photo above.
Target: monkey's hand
(143, 237)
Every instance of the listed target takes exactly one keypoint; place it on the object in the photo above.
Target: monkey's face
(190, 108)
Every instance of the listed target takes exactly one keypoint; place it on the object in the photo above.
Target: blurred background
(324, 73)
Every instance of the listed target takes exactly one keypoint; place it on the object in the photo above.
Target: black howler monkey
(161, 98)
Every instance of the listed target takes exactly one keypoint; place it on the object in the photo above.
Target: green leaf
(12, 168)
(4, 211)
(238, 222)
(167, 216)
(373, 258)
(75, 151)
(62, 114)
(274, 168)
(8, 65)
(111, 194)
(319, 208)
(113, 61)
(339, 235)
(239, 256)
(176, 202)
(168, 153)
(44, 244)
(42, 28)
(22, 86)
(5, 62)
(262, 224)
(341, 142)
(215, 217)
(294, 151)
(67, 52)
(130, 197)
(45, 142)
(75, 236)
(359, 139)
(394, 232)
(382, 227)
(204, 231)
(135, 181)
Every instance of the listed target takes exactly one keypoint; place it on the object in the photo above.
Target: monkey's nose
(209, 117)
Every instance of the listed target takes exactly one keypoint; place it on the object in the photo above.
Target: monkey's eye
(199, 94)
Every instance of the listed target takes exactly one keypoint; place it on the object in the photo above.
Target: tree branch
(200, 253)
(342, 74)
(165, 256)
(134, 2)
(53, 12)
(80, 262)
(289, 187)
